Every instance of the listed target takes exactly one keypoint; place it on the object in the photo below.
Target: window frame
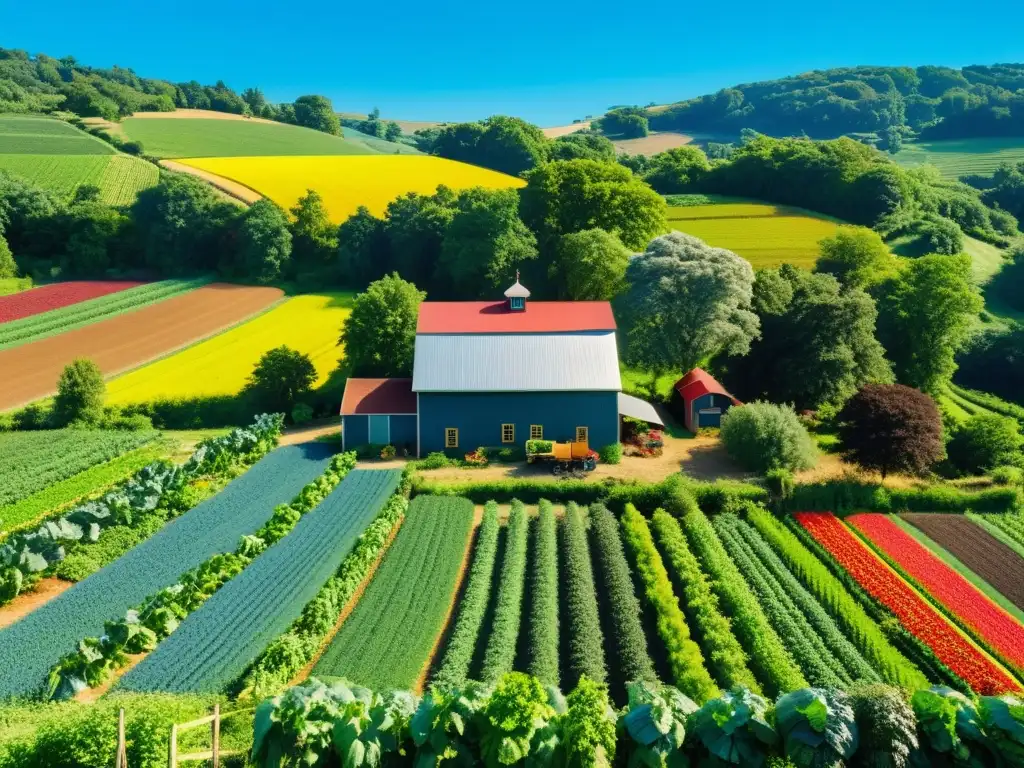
(517, 302)
(448, 444)
(512, 428)
(536, 431)
(586, 435)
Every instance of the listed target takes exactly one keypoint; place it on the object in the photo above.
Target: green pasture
(962, 157)
(21, 135)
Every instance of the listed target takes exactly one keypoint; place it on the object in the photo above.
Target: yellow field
(765, 235)
(348, 181)
(221, 365)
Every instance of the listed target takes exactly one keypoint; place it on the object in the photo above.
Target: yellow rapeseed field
(221, 365)
(348, 181)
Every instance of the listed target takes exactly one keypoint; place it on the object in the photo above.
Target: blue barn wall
(709, 401)
(479, 415)
(403, 433)
(356, 430)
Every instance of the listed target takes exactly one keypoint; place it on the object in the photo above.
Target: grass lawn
(960, 157)
(176, 137)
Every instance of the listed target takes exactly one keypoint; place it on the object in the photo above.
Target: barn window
(508, 433)
(451, 437)
(582, 434)
(536, 431)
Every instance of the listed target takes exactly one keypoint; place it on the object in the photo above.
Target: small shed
(701, 400)
(378, 412)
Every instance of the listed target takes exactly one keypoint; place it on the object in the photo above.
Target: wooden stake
(121, 761)
(216, 735)
(172, 747)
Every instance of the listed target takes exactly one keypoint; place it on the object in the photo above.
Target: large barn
(498, 374)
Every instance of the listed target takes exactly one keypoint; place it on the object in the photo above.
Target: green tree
(505, 144)
(677, 170)
(763, 436)
(572, 195)
(415, 227)
(316, 112)
(582, 146)
(362, 249)
(392, 131)
(95, 235)
(891, 428)
(893, 140)
(314, 238)
(8, 267)
(857, 256)
(986, 441)
(817, 343)
(255, 99)
(625, 122)
(80, 394)
(1008, 284)
(380, 333)
(591, 266)
(484, 244)
(925, 317)
(686, 302)
(264, 243)
(281, 377)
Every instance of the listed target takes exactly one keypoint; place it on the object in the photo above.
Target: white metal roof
(638, 409)
(524, 362)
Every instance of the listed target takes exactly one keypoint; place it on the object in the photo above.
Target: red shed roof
(698, 383)
(378, 397)
(496, 317)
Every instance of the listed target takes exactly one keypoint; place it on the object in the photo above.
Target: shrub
(817, 727)
(80, 393)
(780, 483)
(302, 413)
(611, 453)
(588, 726)
(1008, 476)
(985, 441)
(585, 655)
(33, 416)
(886, 725)
(539, 446)
(762, 437)
(436, 460)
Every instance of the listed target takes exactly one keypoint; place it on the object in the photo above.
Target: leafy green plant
(445, 725)
(588, 726)
(655, 722)
(886, 726)
(372, 726)
(817, 726)
(735, 728)
(611, 453)
(517, 709)
(297, 727)
(948, 726)
(1003, 720)
(539, 446)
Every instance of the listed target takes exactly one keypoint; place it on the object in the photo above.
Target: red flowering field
(47, 297)
(1003, 633)
(882, 583)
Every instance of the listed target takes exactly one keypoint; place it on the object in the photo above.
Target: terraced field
(961, 157)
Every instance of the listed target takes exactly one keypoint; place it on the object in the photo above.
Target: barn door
(380, 430)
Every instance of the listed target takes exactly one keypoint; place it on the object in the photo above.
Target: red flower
(952, 648)
(47, 297)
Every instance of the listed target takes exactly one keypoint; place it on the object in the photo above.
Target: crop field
(175, 137)
(963, 157)
(216, 643)
(407, 600)
(766, 235)
(32, 461)
(349, 182)
(128, 340)
(24, 135)
(47, 298)
(30, 647)
(77, 314)
(221, 365)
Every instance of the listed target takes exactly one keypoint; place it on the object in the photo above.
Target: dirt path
(239, 192)
(129, 340)
(310, 432)
(26, 602)
(199, 114)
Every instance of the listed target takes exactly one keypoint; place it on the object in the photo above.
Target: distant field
(653, 143)
(959, 157)
(348, 182)
(766, 235)
(206, 137)
(59, 157)
(221, 365)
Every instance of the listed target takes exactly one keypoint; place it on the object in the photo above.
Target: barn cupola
(517, 296)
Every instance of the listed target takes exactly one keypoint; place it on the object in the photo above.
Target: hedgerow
(859, 627)
(501, 646)
(820, 667)
(582, 628)
(684, 656)
(626, 631)
(459, 653)
(843, 650)
(771, 662)
(544, 598)
(725, 655)
(851, 496)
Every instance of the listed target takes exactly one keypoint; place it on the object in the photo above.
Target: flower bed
(47, 297)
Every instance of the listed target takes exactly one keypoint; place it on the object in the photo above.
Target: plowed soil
(30, 371)
(976, 548)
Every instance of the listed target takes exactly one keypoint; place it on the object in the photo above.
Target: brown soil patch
(350, 606)
(91, 695)
(448, 626)
(565, 130)
(21, 606)
(653, 143)
(976, 548)
(129, 340)
(115, 129)
(231, 188)
(203, 114)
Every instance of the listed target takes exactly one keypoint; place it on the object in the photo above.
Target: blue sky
(549, 62)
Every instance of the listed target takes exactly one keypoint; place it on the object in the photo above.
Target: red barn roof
(378, 396)
(496, 317)
(699, 382)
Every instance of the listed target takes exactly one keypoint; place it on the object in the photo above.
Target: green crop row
(862, 631)
(684, 656)
(725, 655)
(74, 316)
(501, 645)
(623, 614)
(771, 661)
(1011, 524)
(389, 636)
(989, 401)
(544, 598)
(459, 654)
(582, 630)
